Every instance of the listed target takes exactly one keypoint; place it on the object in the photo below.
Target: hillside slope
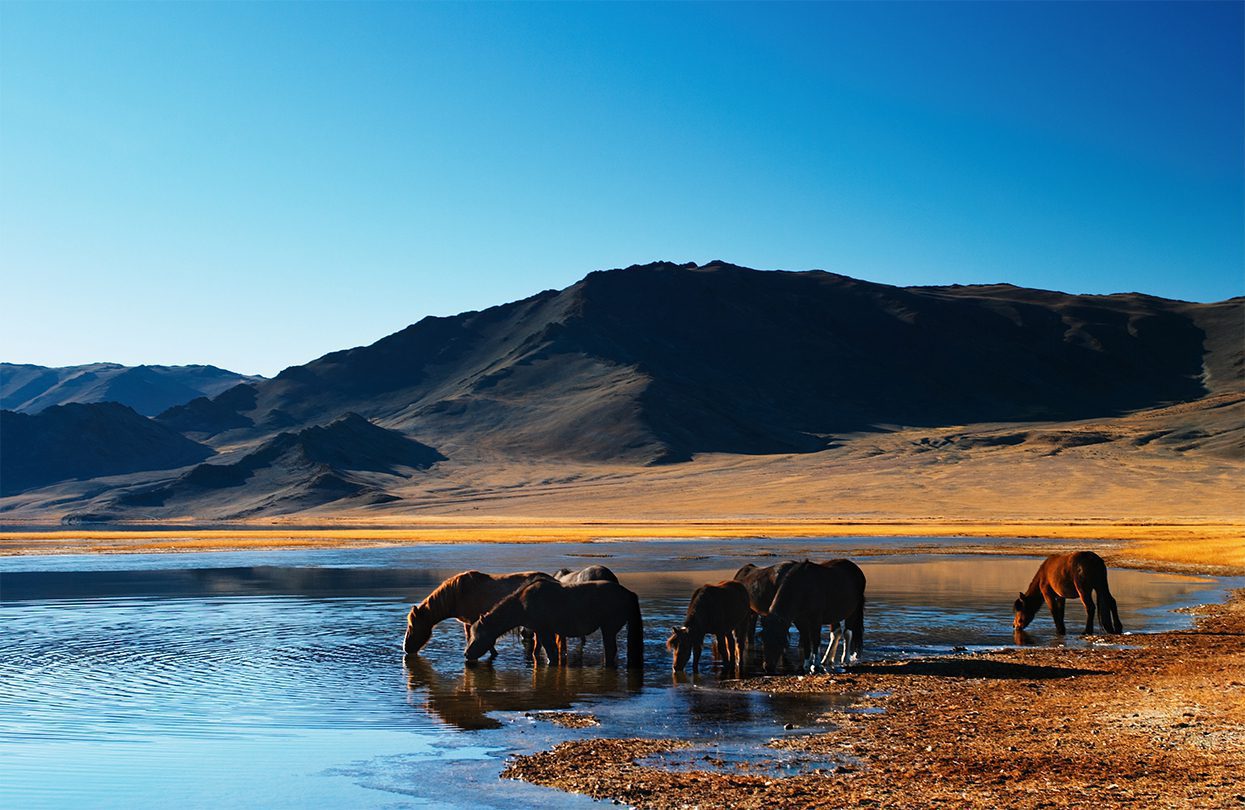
(661, 362)
(86, 441)
(147, 389)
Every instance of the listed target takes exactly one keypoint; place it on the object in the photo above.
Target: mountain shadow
(306, 468)
(77, 441)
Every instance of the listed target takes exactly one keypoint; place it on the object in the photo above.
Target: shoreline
(1214, 548)
(1160, 720)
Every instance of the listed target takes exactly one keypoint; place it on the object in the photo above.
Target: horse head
(477, 643)
(418, 630)
(1024, 612)
(680, 643)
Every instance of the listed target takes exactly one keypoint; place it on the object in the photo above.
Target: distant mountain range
(86, 441)
(147, 389)
(659, 363)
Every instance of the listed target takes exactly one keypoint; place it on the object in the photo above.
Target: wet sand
(1159, 723)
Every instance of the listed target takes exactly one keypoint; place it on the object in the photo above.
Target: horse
(556, 612)
(466, 597)
(852, 633)
(815, 594)
(593, 573)
(762, 584)
(1060, 576)
(723, 610)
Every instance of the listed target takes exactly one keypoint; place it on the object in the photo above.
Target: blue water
(276, 678)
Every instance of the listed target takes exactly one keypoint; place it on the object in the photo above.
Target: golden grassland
(1216, 546)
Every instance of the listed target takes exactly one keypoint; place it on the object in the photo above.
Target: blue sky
(254, 185)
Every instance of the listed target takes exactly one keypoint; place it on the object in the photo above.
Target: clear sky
(254, 185)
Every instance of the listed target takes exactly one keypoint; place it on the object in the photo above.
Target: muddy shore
(1158, 722)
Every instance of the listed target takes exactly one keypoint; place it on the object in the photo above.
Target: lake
(277, 678)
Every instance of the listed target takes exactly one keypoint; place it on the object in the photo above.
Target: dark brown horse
(592, 573)
(466, 597)
(762, 584)
(556, 612)
(1081, 574)
(815, 594)
(722, 610)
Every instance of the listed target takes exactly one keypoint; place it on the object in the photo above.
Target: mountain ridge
(662, 364)
(148, 389)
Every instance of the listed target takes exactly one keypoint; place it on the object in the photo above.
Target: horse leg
(831, 644)
(810, 647)
(697, 646)
(1108, 609)
(1056, 605)
(610, 642)
(725, 653)
(743, 644)
(550, 643)
(1088, 600)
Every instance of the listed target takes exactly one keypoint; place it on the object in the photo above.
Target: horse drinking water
(466, 597)
(722, 610)
(1061, 576)
(762, 584)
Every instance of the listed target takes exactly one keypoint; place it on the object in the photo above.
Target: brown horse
(762, 584)
(1060, 576)
(556, 612)
(722, 610)
(466, 597)
(815, 594)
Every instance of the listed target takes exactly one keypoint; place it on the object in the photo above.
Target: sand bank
(1160, 723)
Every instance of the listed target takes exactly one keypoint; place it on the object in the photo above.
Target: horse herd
(547, 611)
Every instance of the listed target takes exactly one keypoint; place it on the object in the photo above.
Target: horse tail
(857, 625)
(635, 636)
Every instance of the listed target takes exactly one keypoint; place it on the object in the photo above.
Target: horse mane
(448, 592)
(785, 587)
(508, 611)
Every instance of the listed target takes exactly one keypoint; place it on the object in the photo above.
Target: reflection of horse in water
(722, 610)
(815, 594)
(556, 612)
(466, 597)
(465, 700)
(1060, 576)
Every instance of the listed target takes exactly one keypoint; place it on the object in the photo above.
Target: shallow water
(277, 679)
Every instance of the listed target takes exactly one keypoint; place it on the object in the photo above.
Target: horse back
(762, 584)
(824, 592)
(570, 608)
(1066, 574)
(718, 607)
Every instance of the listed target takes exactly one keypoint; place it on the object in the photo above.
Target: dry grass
(1209, 546)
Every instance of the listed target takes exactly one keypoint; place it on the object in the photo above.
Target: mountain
(574, 398)
(301, 469)
(660, 362)
(86, 441)
(147, 389)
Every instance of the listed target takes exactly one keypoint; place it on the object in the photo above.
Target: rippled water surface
(276, 678)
